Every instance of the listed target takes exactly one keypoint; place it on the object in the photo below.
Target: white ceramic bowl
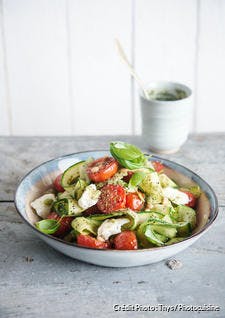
(40, 179)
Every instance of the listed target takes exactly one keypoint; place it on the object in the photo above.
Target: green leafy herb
(136, 179)
(48, 226)
(125, 151)
(129, 156)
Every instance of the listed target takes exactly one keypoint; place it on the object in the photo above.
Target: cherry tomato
(158, 166)
(192, 199)
(57, 183)
(128, 176)
(65, 223)
(102, 169)
(112, 198)
(125, 241)
(134, 202)
(89, 241)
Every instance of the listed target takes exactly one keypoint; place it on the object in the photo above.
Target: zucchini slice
(153, 237)
(102, 217)
(165, 231)
(169, 230)
(146, 215)
(188, 215)
(133, 218)
(67, 206)
(70, 176)
(85, 226)
(64, 195)
(175, 240)
(184, 230)
(143, 242)
(165, 181)
(79, 188)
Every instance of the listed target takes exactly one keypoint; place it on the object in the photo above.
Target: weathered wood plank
(204, 154)
(38, 281)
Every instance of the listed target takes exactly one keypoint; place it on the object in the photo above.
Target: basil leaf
(136, 164)
(136, 179)
(132, 165)
(48, 226)
(128, 155)
(124, 150)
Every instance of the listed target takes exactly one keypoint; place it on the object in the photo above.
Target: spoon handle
(131, 69)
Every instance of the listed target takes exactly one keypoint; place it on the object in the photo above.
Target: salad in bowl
(122, 201)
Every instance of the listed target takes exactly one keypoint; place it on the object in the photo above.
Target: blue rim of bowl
(206, 227)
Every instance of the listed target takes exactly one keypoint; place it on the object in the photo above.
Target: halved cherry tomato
(134, 202)
(112, 198)
(89, 241)
(102, 169)
(158, 166)
(192, 199)
(65, 223)
(125, 241)
(57, 183)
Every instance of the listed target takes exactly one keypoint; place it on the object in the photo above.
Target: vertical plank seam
(196, 65)
(5, 70)
(132, 86)
(69, 66)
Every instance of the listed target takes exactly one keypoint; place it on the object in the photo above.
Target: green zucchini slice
(103, 217)
(188, 215)
(71, 175)
(67, 206)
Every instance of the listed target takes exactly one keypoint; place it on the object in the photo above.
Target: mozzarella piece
(176, 196)
(110, 227)
(89, 197)
(43, 205)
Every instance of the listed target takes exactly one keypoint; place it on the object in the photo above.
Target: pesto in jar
(165, 95)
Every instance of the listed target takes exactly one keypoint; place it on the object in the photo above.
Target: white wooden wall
(60, 74)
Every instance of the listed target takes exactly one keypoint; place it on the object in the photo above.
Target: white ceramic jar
(165, 124)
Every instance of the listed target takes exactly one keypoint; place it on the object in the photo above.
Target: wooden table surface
(37, 281)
